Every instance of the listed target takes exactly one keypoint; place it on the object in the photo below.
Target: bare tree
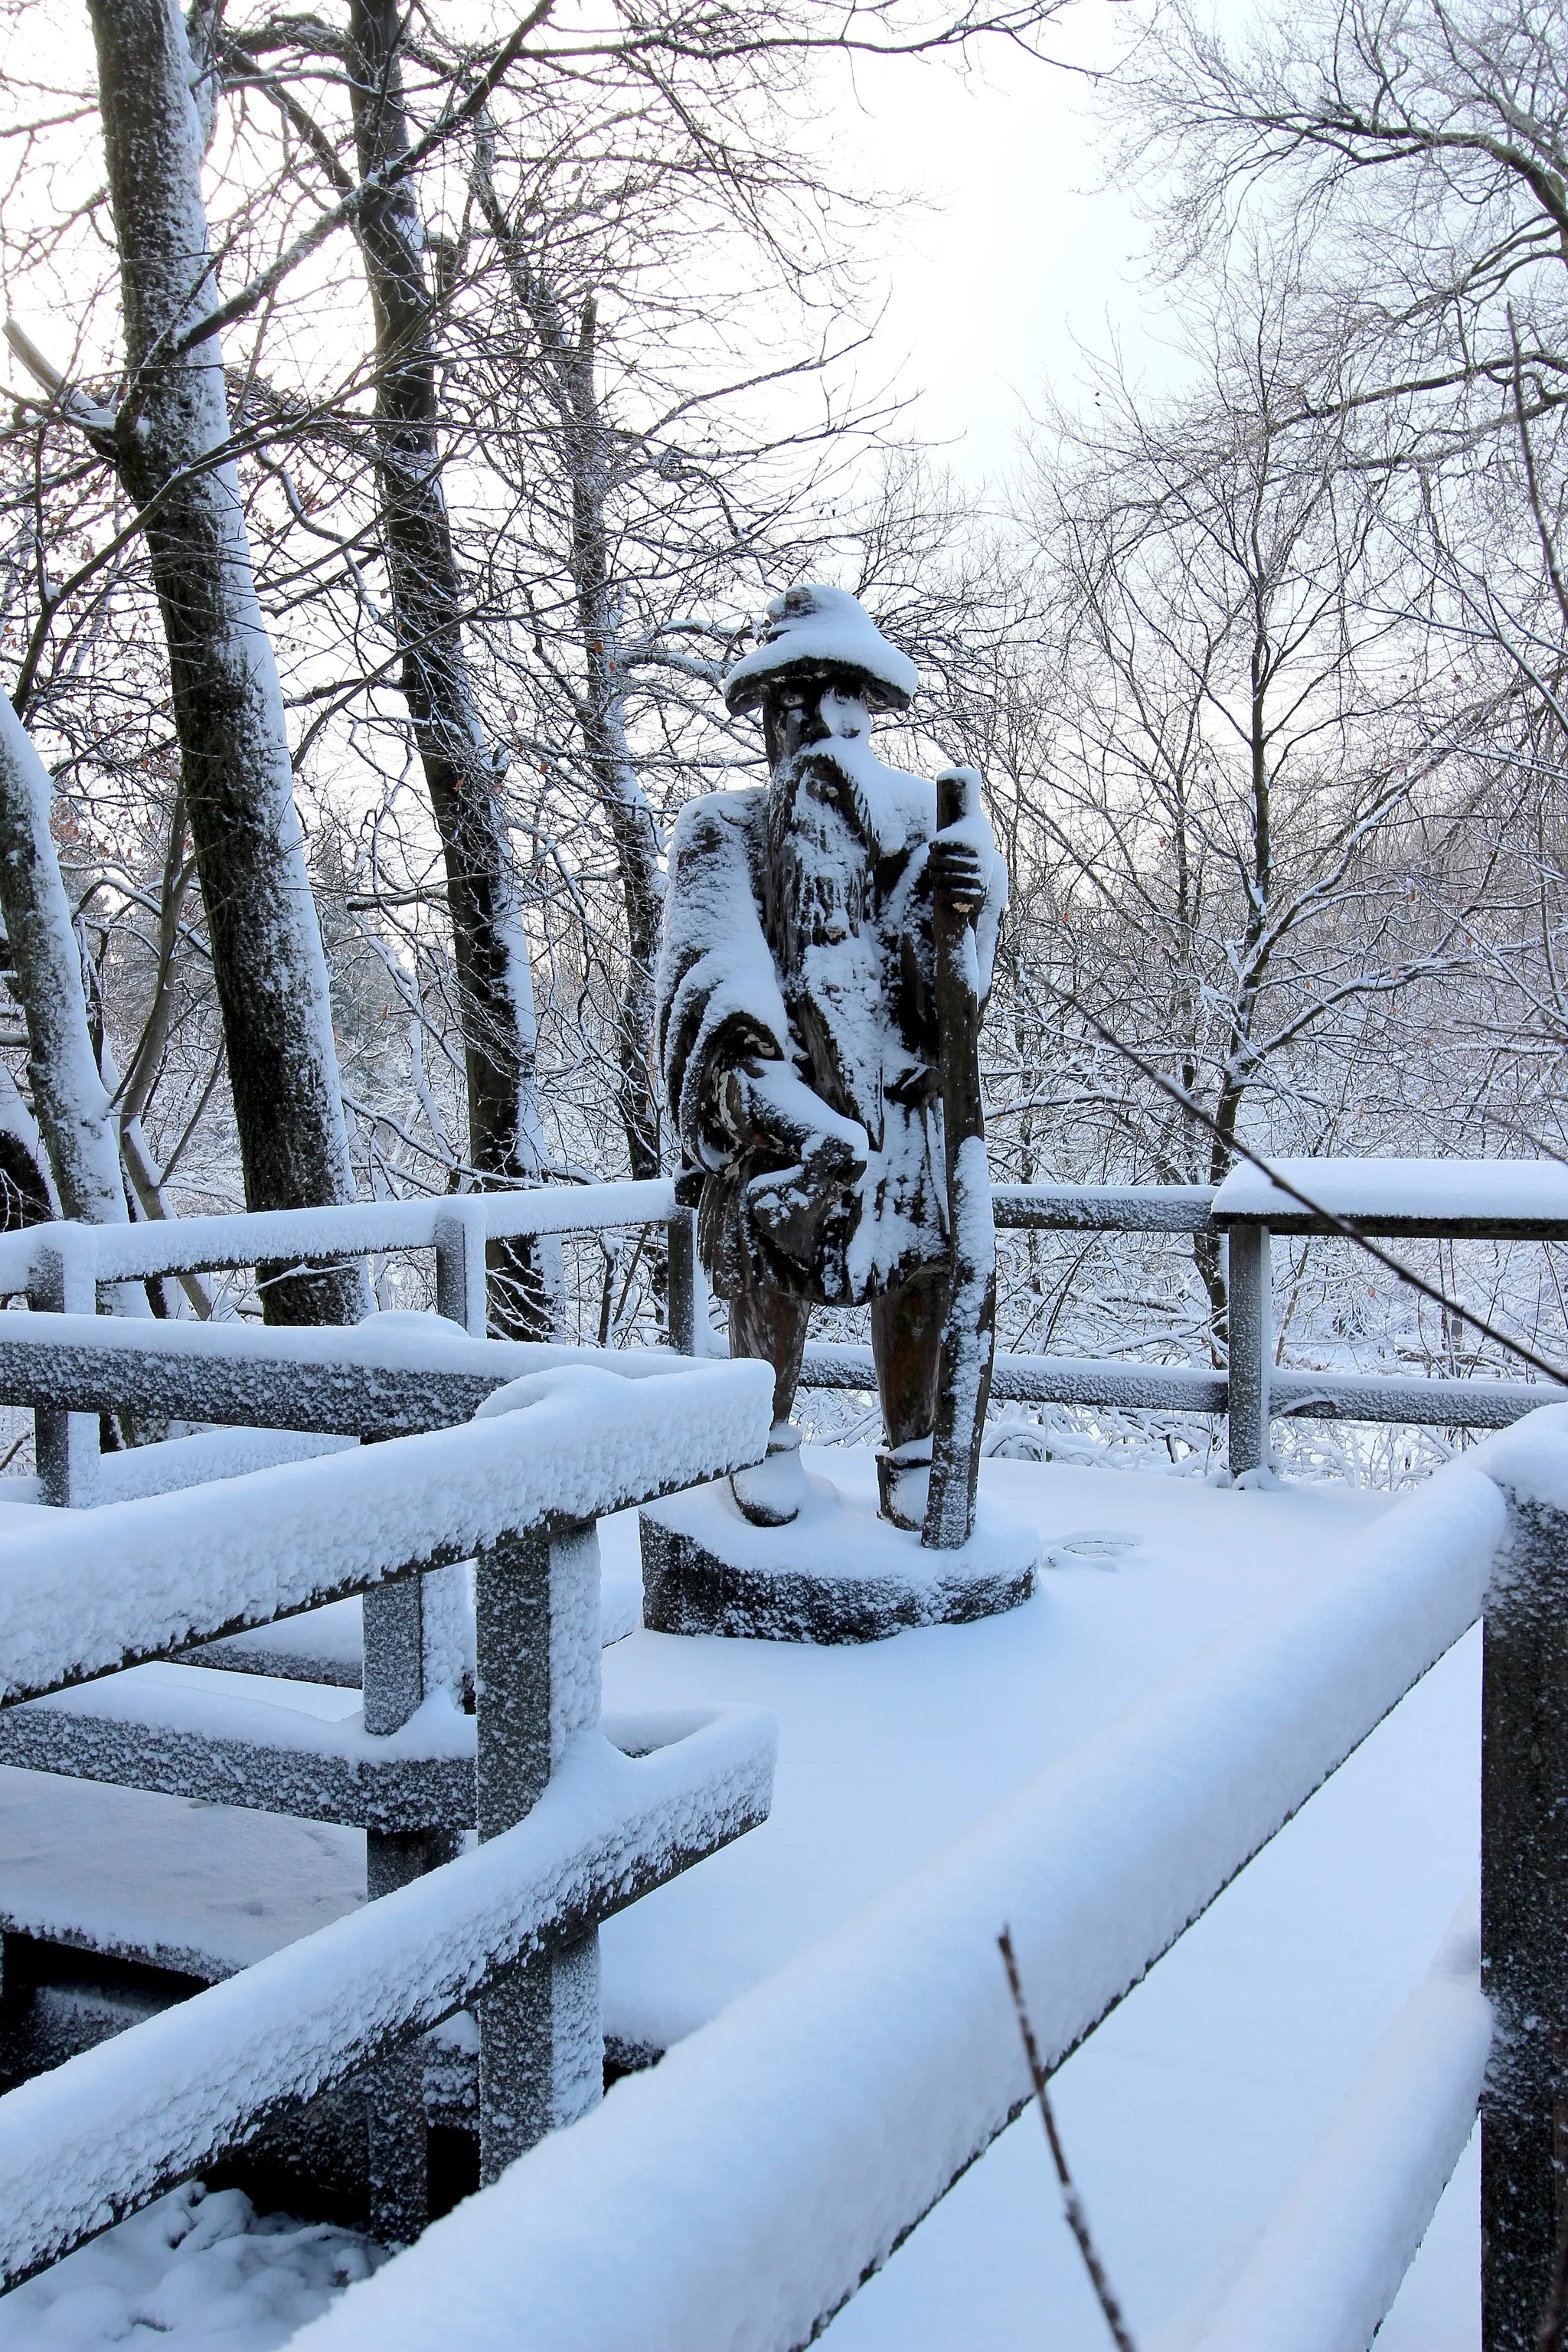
(1420, 154)
(463, 773)
(74, 1112)
(169, 440)
(1220, 780)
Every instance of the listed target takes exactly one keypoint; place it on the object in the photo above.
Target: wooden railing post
(1250, 1328)
(537, 1625)
(406, 1640)
(1524, 1922)
(461, 1292)
(685, 1282)
(65, 1444)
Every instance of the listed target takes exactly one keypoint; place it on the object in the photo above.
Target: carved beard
(818, 903)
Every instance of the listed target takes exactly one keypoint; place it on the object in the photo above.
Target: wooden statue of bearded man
(797, 1030)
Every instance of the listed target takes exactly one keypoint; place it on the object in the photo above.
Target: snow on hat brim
(820, 628)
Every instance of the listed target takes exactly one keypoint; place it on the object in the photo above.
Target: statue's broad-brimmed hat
(816, 631)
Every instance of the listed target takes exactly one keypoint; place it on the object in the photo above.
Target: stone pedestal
(836, 1573)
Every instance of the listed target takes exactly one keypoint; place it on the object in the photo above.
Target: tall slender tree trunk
(463, 773)
(573, 389)
(633, 826)
(72, 1108)
(75, 1117)
(236, 774)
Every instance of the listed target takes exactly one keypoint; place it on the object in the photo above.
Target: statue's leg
(907, 1320)
(770, 1324)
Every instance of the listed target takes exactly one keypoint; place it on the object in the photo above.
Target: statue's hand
(954, 867)
(770, 1108)
(787, 1205)
(826, 1155)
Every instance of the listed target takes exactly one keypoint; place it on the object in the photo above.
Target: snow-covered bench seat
(86, 1595)
(186, 1734)
(387, 1377)
(327, 1645)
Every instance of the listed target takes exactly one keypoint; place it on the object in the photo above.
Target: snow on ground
(192, 2273)
(1187, 2115)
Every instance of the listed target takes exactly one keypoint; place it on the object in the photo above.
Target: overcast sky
(1019, 250)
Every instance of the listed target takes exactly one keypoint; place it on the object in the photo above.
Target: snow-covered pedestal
(838, 1572)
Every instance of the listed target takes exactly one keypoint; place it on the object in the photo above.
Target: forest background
(408, 412)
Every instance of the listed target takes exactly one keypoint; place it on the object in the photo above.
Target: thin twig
(1077, 2220)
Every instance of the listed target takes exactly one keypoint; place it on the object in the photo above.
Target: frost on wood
(571, 1827)
(363, 1381)
(349, 1229)
(1488, 1191)
(176, 1731)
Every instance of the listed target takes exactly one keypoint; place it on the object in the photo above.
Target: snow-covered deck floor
(1185, 2116)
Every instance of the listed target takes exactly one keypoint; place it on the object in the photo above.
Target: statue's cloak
(797, 930)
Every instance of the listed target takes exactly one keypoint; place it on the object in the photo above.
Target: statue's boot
(903, 1483)
(771, 1494)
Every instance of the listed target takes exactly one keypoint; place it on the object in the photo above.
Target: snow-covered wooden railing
(736, 2195)
(386, 1377)
(571, 1827)
(61, 1266)
(455, 1225)
(1489, 1200)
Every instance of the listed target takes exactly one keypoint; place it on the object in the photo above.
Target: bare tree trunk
(633, 827)
(71, 1105)
(462, 771)
(602, 709)
(236, 775)
(28, 1196)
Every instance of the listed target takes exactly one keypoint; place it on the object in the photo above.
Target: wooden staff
(969, 1334)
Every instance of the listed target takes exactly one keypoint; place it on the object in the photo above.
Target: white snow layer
(82, 1594)
(744, 2188)
(173, 1462)
(819, 624)
(1326, 2266)
(1501, 1189)
(183, 1244)
(1519, 1459)
(195, 1702)
(195, 2273)
(404, 1341)
(82, 2145)
(838, 1536)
